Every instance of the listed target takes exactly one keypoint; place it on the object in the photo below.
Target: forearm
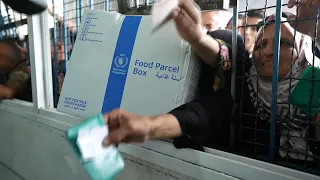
(164, 126)
(6, 92)
(208, 49)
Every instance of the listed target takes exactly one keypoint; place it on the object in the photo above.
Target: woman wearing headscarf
(292, 124)
(205, 121)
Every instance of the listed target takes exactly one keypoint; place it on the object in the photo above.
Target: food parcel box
(118, 62)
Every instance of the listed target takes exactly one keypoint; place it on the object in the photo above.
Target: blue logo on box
(121, 61)
(119, 65)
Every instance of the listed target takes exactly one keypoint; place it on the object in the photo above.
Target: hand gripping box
(117, 62)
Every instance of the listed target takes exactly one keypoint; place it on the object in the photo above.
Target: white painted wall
(39, 151)
(34, 146)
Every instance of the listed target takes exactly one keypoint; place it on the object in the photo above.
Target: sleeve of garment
(206, 118)
(242, 57)
(204, 121)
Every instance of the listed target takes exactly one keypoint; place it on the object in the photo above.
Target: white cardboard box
(117, 62)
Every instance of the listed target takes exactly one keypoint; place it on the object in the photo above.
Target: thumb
(115, 137)
(175, 13)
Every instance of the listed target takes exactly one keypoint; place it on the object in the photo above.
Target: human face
(7, 61)
(240, 27)
(60, 51)
(240, 24)
(251, 32)
(210, 21)
(263, 52)
(229, 25)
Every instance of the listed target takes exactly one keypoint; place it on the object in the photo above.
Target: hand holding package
(102, 163)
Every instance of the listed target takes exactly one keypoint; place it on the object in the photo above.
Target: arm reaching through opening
(127, 127)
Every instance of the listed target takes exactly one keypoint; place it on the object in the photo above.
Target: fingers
(117, 133)
(190, 9)
(186, 8)
(175, 13)
(115, 137)
(181, 17)
(315, 2)
(112, 116)
(292, 3)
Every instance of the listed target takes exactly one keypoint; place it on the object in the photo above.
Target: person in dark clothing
(204, 121)
(215, 115)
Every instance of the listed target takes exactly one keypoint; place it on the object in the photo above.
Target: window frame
(40, 55)
(192, 163)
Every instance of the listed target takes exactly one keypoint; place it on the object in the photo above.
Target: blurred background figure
(59, 46)
(247, 26)
(14, 71)
(250, 32)
(214, 20)
(241, 20)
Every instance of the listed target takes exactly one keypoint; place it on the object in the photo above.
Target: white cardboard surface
(158, 72)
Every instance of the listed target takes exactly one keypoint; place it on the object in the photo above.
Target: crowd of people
(15, 74)
(206, 120)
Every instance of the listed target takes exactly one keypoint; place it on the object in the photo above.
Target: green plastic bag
(108, 163)
(301, 94)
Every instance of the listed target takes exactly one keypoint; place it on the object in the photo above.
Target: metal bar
(1, 22)
(16, 21)
(234, 66)
(55, 58)
(234, 51)
(106, 5)
(65, 34)
(39, 51)
(312, 82)
(80, 10)
(257, 118)
(276, 50)
(290, 73)
(91, 4)
(78, 13)
(264, 8)
(9, 20)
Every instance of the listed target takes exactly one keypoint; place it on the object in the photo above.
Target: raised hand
(307, 9)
